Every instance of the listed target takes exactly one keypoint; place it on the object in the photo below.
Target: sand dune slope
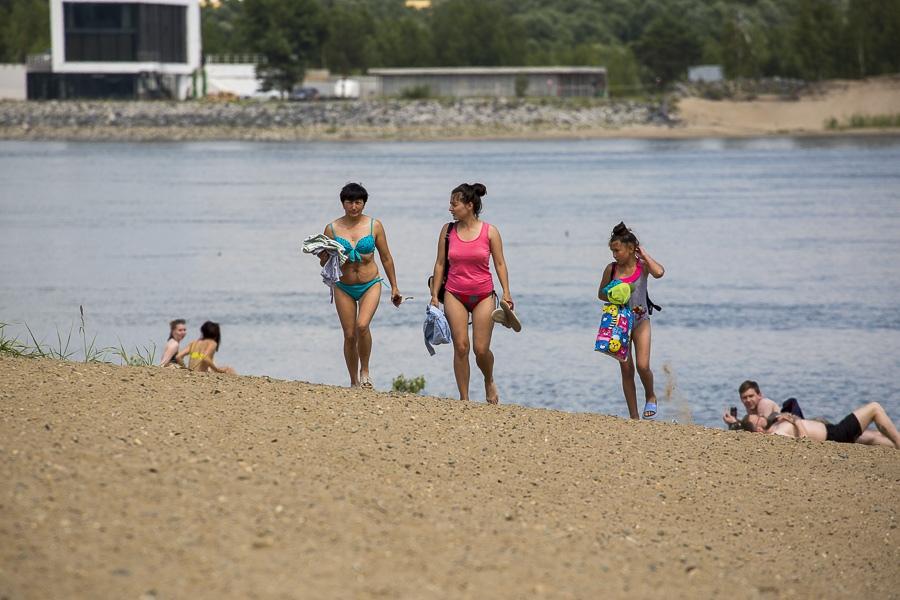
(835, 99)
(149, 483)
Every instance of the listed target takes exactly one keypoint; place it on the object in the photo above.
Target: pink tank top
(470, 271)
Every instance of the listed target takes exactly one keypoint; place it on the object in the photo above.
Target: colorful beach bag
(614, 333)
(617, 319)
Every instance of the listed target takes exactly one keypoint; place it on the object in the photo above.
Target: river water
(781, 258)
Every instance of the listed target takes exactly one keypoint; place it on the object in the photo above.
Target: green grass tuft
(11, 346)
(411, 386)
(864, 122)
(142, 357)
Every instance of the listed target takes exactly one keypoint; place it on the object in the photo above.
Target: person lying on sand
(753, 400)
(202, 351)
(852, 429)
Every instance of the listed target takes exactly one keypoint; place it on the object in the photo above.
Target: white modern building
(116, 49)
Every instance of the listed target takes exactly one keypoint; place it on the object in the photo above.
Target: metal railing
(233, 59)
(39, 62)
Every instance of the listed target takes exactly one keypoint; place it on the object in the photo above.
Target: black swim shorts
(845, 432)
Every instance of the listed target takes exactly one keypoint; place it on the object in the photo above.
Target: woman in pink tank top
(469, 285)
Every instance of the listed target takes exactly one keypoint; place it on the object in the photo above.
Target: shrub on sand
(411, 386)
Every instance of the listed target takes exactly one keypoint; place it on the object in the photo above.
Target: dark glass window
(163, 33)
(125, 32)
(62, 86)
(92, 16)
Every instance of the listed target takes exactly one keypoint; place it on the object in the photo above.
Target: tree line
(639, 41)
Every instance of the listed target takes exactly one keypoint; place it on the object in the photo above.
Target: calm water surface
(781, 258)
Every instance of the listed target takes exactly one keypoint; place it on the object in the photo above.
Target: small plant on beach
(411, 386)
(39, 350)
(11, 346)
(142, 357)
(92, 353)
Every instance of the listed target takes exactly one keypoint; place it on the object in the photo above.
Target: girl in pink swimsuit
(629, 257)
(470, 286)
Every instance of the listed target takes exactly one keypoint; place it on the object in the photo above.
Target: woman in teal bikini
(359, 288)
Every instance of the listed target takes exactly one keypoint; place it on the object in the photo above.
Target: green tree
(623, 71)
(475, 33)
(221, 31)
(667, 47)
(403, 42)
(874, 37)
(24, 29)
(289, 34)
(351, 40)
(742, 46)
(814, 36)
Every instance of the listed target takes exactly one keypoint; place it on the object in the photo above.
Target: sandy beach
(127, 482)
(837, 100)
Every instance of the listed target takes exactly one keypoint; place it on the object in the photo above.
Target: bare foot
(490, 392)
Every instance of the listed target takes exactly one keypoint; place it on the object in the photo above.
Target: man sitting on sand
(852, 429)
(753, 400)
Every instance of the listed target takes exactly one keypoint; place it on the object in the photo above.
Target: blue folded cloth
(436, 328)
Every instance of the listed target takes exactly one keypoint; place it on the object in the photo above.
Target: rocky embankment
(335, 119)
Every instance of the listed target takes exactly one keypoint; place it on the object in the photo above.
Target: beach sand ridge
(132, 482)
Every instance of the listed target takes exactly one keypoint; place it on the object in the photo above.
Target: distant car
(304, 94)
(264, 95)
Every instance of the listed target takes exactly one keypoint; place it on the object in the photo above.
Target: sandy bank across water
(839, 100)
(143, 482)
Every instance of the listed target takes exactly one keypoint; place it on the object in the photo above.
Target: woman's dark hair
(174, 324)
(746, 425)
(621, 233)
(470, 194)
(210, 331)
(354, 191)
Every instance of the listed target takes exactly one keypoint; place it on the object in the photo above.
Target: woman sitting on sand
(177, 331)
(202, 351)
(359, 285)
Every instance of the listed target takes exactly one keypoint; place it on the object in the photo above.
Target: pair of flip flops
(506, 317)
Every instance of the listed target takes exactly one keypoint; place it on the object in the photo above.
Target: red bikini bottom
(470, 302)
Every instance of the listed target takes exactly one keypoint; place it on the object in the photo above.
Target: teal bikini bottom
(356, 290)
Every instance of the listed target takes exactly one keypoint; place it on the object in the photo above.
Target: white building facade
(116, 49)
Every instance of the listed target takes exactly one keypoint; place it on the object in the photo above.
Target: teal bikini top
(365, 245)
